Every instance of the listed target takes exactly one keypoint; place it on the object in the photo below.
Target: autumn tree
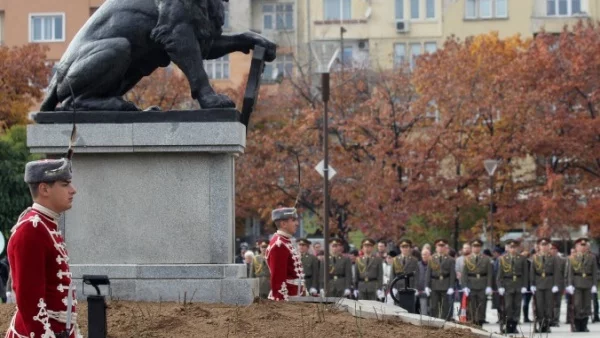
(166, 88)
(23, 77)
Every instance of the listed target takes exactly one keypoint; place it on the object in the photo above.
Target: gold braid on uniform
(257, 266)
(471, 266)
(361, 266)
(537, 263)
(506, 265)
(435, 265)
(398, 267)
(576, 263)
(331, 266)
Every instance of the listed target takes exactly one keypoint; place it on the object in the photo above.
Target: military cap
(406, 242)
(511, 242)
(304, 241)
(263, 242)
(283, 213)
(476, 242)
(48, 170)
(367, 240)
(244, 245)
(440, 241)
(543, 240)
(555, 245)
(392, 253)
(582, 241)
(335, 241)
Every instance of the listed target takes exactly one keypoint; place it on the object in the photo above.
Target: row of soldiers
(546, 277)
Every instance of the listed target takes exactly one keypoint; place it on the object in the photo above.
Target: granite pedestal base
(154, 208)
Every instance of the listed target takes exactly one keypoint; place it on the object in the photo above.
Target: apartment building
(464, 18)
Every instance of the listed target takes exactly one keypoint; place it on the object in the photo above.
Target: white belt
(299, 282)
(61, 316)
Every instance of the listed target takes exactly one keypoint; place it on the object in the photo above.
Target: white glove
(570, 289)
(450, 292)
(488, 291)
(523, 290)
(346, 292)
(533, 289)
(501, 291)
(8, 297)
(395, 291)
(467, 291)
(594, 289)
(380, 294)
(428, 291)
(356, 294)
(555, 289)
(322, 293)
(313, 291)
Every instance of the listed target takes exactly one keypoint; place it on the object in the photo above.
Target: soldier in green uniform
(405, 263)
(310, 263)
(582, 280)
(544, 277)
(512, 280)
(477, 277)
(340, 271)
(260, 270)
(439, 280)
(562, 277)
(369, 269)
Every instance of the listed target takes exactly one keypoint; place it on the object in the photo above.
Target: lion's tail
(51, 99)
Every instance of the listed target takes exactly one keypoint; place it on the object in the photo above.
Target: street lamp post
(325, 69)
(490, 167)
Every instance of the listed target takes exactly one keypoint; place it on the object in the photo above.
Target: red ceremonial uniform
(41, 278)
(285, 263)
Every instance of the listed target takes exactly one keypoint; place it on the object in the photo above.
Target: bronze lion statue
(123, 41)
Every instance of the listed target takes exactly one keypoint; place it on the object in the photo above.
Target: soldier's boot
(515, 325)
(576, 325)
(584, 323)
(596, 319)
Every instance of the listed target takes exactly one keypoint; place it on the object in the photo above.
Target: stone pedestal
(154, 208)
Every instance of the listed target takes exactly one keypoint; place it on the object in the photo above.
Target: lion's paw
(216, 101)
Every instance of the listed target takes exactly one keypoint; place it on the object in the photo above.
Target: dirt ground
(262, 319)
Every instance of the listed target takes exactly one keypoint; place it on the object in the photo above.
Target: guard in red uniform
(39, 263)
(283, 258)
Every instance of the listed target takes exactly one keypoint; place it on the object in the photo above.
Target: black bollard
(97, 325)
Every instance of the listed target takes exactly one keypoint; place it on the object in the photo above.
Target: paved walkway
(527, 328)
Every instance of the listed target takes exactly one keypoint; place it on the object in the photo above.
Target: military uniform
(512, 280)
(339, 274)
(39, 264)
(440, 278)
(404, 265)
(477, 277)
(260, 270)
(369, 271)
(285, 263)
(582, 280)
(562, 264)
(544, 277)
(310, 263)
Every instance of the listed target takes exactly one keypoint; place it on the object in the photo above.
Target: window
(563, 7)
(414, 9)
(278, 16)
(218, 68)
(399, 9)
(47, 27)
(430, 9)
(415, 52)
(430, 47)
(337, 9)
(399, 54)
(226, 16)
(284, 65)
(486, 9)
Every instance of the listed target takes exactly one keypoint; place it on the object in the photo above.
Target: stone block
(239, 291)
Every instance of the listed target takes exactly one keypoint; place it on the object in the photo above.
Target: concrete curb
(381, 311)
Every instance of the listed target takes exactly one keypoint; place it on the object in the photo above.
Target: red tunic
(41, 278)
(285, 263)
